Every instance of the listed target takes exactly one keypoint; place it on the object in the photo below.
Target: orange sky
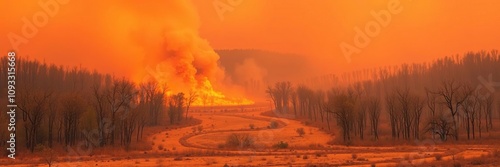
(423, 31)
(89, 33)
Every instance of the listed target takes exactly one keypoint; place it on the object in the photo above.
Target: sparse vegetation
(300, 131)
(160, 147)
(210, 161)
(438, 157)
(273, 124)
(49, 156)
(354, 156)
(240, 140)
(477, 162)
(495, 153)
(281, 145)
(200, 128)
(252, 126)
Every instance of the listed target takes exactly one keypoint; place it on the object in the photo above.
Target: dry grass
(210, 161)
(240, 140)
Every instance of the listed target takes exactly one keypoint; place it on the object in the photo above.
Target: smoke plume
(142, 40)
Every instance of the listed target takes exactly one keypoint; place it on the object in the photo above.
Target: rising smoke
(142, 40)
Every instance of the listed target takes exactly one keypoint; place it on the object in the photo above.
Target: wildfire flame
(207, 96)
(171, 49)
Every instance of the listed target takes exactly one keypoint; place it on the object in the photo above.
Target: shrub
(477, 162)
(354, 156)
(210, 161)
(160, 147)
(241, 140)
(457, 164)
(273, 125)
(300, 131)
(305, 157)
(200, 128)
(252, 126)
(496, 153)
(438, 157)
(281, 145)
(48, 155)
(373, 165)
(458, 157)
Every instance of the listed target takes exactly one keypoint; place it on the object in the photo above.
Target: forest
(63, 107)
(450, 98)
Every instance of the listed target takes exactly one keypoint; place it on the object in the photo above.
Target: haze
(423, 31)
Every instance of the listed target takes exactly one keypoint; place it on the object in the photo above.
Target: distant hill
(277, 66)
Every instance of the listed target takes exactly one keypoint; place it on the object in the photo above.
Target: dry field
(204, 145)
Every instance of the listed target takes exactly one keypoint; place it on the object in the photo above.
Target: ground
(195, 146)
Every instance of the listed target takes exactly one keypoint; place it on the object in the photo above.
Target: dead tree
(192, 97)
(33, 107)
(453, 95)
(72, 109)
(118, 96)
(416, 109)
(374, 111)
(176, 105)
(342, 107)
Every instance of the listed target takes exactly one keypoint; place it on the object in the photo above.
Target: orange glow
(131, 38)
(207, 96)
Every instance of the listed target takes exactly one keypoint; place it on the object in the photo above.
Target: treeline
(450, 97)
(60, 106)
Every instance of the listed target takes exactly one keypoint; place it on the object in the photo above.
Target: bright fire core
(207, 96)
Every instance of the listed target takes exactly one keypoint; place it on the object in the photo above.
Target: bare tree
(392, 108)
(489, 111)
(53, 109)
(72, 109)
(293, 97)
(275, 97)
(280, 95)
(442, 126)
(33, 107)
(118, 96)
(99, 104)
(374, 111)
(193, 95)
(176, 106)
(342, 106)
(285, 89)
(405, 99)
(432, 105)
(416, 109)
(454, 94)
